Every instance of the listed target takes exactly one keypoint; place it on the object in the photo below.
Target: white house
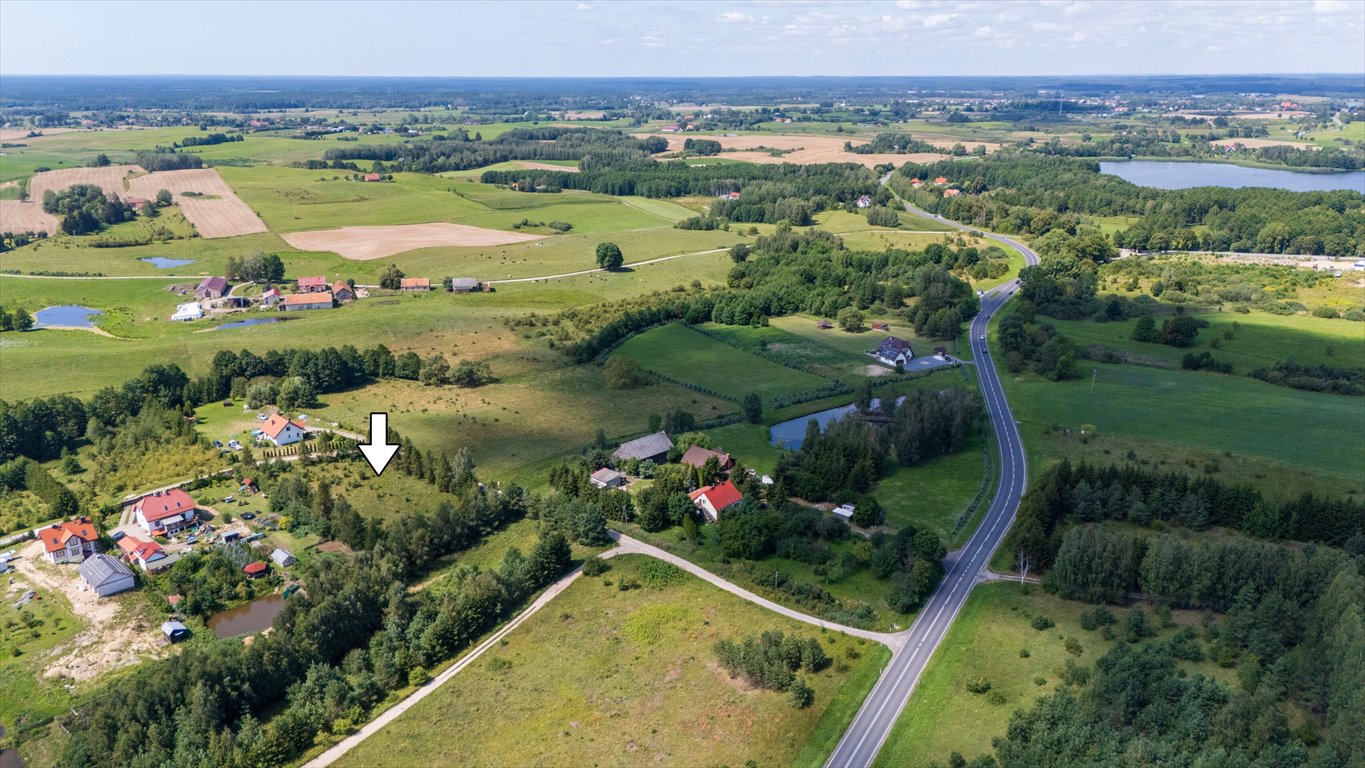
(165, 513)
(711, 500)
(191, 311)
(864, 201)
(282, 431)
(893, 351)
(69, 542)
(845, 511)
(148, 555)
(106, 575)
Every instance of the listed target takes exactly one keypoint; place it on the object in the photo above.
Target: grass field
(1246, 342)
(985, 642)
(683, 354)
(25, 635)
(1231, 427)
(641, 666)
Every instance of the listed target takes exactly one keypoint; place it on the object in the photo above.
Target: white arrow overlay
(379, 452)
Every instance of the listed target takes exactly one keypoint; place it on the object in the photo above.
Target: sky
(592, 38)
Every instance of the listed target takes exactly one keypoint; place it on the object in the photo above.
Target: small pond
(161, 262)
(250, 322)
(246, 619)
(1164, 174)
(66, 315)
(789, 435)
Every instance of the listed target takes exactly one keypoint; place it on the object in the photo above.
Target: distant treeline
(1156, 142)
(460, 153)
(649, 178)
(892, 143)
(210, 139)
(1033, 194)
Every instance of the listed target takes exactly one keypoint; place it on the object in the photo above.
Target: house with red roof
(282, 431)
(148, 555)
(211, 288)
(256, 570)
(69, 542)
(165, 513)
(312, 284)
(271, 297)
(711, 500)
(951, 192)
(940, 180)
(414, 284)
(373, 177)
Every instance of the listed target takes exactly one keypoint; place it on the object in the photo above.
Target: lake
(252, 321)
(1170, 175)
(161, 262)
(789, 435)
(246, 619)
(66, 315)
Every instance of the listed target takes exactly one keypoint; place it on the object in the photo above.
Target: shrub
(595, 566)
(978, 684)
(1041, 623)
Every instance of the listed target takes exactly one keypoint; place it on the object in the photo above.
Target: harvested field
(534, 166)
(220, 214)
(26, 217)
(22, 134)
(110, 178)
(367, 243)
(810, 149)
(1257, 143)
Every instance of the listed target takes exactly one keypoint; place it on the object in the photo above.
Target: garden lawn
(680, 353)
(24, 692)
(984, 643)
(633, 680)
(935, 494)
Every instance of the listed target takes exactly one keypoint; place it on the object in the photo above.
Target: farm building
(951, 192)
(711, 500)
(190, 311)
(654, 447)
(464, 285)
(894, 351)
(211, 288)
(174, 631)
(301, 301)
(69, 542)
(106, 575)
(147, 555)
(166, 512)
(283, 557)
(845, 511)
(271, 297)
(312, 284)
(607, 478)
(256, 570)
(342, 291)
(282, 431)
(414, 284)
(373, 177)
(696, 456)
(879, 327)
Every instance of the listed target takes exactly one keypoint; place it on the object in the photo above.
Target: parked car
(217, 444)
(261, 417)
(116, 535)
(248, 515)
(229, 499)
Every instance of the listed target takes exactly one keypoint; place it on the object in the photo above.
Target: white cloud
(936, 19)
(735, 17)
(582, 7)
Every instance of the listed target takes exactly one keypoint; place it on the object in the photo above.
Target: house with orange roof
(282, 431)
(711, 500)
(148, 555)
(940, 180)
(951, 192)
(69, 542)
(316, 284)
(165, 513)
(342, 291)
(414, 284)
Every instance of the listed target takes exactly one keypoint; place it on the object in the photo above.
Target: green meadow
(641, 658)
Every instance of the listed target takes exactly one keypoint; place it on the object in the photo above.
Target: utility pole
(1094, 374)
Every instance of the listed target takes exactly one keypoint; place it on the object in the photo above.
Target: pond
(161, 262)
(789, 435)
(251, 321)
(66, 316)
(245, 619)
(1172, 175)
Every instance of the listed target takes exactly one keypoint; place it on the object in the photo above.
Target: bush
(1041, 623)
(595, 566)
(978, 684)
(801, 694)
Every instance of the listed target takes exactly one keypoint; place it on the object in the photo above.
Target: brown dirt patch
(1254, 143)
(21, 134)
(221, 215)
(110, 178)
(113, 637)
(26, 217)
(808, 149)
(367, 243)
(533, 166)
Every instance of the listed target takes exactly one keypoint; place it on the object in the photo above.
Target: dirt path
(599, 269)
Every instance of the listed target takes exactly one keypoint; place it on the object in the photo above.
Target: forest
(1026, 193)
(458, 152)
(84, 208)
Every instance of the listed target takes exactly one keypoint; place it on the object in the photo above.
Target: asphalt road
(870, 727)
